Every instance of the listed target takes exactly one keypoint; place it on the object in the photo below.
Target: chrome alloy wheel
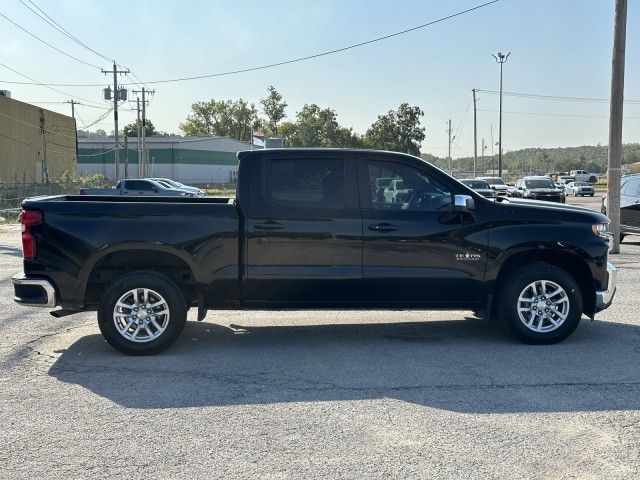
(543, 306)
(141, 315)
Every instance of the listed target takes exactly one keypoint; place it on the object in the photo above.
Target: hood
(561, 211)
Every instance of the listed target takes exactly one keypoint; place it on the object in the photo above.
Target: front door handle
(268, 226)
(383, 227)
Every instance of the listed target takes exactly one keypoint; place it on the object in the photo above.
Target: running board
(63, 312)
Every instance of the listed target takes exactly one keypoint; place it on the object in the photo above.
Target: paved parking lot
(321, 394)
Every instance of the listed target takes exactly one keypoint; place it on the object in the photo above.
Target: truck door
(418, 251)
(303, 231)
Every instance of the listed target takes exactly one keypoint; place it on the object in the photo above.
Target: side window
(132, 185)
(395, 186)
(306, 183)
(145, 186)
(632, 187)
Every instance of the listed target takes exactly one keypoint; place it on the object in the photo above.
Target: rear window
(476, 184)
(306, 183)
(494, 181)
(539, 183)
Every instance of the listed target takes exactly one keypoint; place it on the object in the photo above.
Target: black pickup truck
(309, 229)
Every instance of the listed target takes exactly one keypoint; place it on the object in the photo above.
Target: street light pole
(500, 58)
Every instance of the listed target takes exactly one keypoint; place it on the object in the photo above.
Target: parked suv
(480, 186)
(629, 205)
(538, 188)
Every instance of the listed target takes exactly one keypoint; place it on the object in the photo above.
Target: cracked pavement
(321, 395)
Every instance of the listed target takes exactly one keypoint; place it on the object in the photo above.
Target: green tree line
(544, 160)
(312, 126)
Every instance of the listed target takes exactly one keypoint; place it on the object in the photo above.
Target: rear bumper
(33, 292)
(605, 297)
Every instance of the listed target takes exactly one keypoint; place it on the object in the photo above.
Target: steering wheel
(426, 199)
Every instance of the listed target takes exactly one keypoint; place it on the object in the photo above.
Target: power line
(96, 154)
(47, 43)
(61, 29)
(542, 114)
(294, 60)
(39, 127)
(44, 85)
(53, 23)
(39, 147)
(554, 97)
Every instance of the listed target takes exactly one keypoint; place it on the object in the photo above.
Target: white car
(396, 192)
(497, 184)
(180, 186)
(579, 189)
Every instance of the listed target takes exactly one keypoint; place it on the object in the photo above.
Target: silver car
(579, 189)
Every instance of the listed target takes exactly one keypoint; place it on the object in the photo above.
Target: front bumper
(33, 292)
(605, 297)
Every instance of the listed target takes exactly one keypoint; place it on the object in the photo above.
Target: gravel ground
(321, 394)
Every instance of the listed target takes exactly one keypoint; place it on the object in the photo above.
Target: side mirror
(464, 203)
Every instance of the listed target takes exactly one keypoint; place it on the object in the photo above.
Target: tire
(591, 194)
(543, 329)
(622, 235)
(142, 336)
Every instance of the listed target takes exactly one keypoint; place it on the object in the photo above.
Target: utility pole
(126, 156)
(143, 132)
(500, 58)
(73, 114)
(138, 123)
(143, 127)
(615, 121)
(482, 153)
(73, 104)
(117, 95)
(475, 135)
(451, 138)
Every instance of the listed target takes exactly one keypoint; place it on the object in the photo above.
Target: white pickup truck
(583, 176)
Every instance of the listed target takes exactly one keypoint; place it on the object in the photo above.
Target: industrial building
(36, 145)
(193, 160)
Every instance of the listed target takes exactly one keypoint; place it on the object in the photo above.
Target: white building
(193, 160)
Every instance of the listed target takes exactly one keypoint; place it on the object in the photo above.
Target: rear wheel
(142, 313)
(540, 304)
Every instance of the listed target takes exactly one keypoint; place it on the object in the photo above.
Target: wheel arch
(568, 261)
(113, 261)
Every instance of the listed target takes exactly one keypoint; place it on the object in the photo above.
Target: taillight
(29, 218)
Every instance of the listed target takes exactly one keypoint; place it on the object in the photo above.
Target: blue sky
(558, 47)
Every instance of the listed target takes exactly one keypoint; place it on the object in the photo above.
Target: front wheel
(540, 304)
(142, 313)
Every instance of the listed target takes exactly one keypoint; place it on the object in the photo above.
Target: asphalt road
(321, 395)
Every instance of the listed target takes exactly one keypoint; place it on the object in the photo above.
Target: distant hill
(544, 160)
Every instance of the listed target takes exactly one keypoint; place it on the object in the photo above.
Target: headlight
(600, 229)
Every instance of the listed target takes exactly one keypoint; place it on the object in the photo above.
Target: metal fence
(12, 194)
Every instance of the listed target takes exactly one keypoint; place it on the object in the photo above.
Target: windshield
(476, 184)
(494, 181)
(539, 183)
(580, 184)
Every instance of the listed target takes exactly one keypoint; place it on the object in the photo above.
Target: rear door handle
(268, 226)
(383, 227)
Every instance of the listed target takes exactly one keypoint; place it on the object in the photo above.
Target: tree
(318, 127)
(87, 134)
(398, 130)
(273, 107)
(226, 118)
(131, 130)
